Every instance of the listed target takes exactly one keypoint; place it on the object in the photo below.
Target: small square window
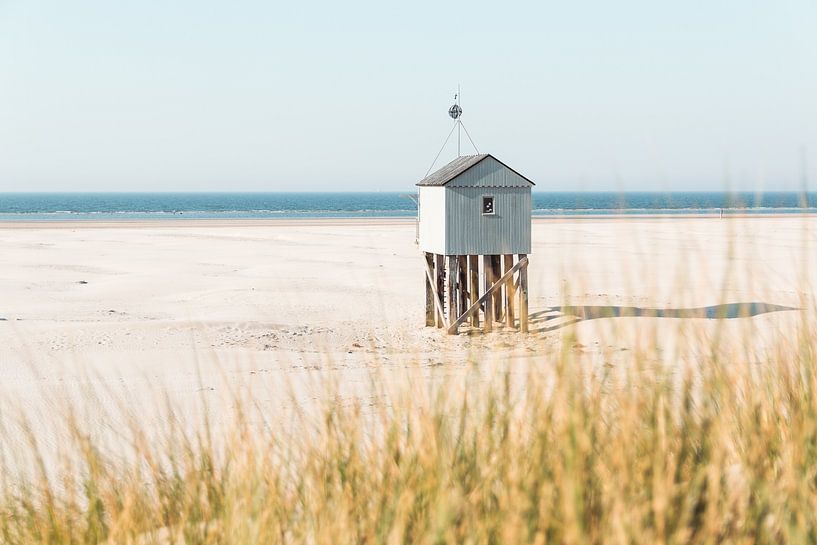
(487, 205)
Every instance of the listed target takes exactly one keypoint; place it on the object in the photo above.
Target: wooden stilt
(452, 289)
(523, 296)
(462, 282)
(488, 273)
(431, 276)
(496, 265)
(510, 293)
(430, 320)
(473, 286)
(439, 271)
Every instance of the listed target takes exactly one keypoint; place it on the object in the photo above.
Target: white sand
(194, 310)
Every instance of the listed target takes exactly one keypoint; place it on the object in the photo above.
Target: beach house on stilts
(474, 229)
(475, 234)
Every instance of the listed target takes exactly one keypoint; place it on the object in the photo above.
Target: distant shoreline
(171, 207)
(364, 221)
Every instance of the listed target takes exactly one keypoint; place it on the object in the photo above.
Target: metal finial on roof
(455, 112)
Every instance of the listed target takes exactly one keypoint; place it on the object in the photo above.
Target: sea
(177, 206)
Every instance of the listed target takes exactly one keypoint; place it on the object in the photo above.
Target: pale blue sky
(266, 96)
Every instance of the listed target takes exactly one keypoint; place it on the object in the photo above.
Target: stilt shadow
(572, 314)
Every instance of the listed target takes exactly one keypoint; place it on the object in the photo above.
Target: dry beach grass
(725, 455)
(641, 410)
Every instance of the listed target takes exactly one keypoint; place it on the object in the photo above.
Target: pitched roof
(456, 167)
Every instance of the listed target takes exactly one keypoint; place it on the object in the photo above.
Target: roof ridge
(456, 167)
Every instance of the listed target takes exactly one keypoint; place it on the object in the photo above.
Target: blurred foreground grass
(727, 453)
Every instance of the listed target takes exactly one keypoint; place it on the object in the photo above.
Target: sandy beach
(277, 309)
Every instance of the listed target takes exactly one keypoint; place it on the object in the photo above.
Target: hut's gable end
(489, 172)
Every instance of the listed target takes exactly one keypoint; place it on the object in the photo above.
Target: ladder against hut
(462, 291)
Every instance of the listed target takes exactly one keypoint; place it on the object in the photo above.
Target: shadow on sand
(558, 317)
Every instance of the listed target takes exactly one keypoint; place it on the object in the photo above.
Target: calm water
(138, 206)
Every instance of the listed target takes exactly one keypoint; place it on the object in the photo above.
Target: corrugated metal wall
(507, 231)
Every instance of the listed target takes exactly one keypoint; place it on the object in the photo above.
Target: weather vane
(455, 113)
